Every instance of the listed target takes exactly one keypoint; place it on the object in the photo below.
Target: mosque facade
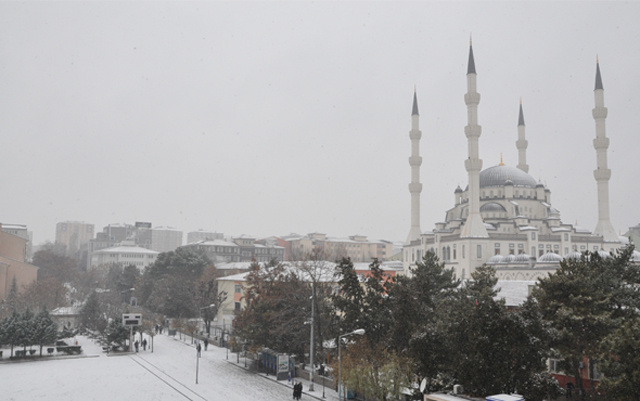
(504, 217)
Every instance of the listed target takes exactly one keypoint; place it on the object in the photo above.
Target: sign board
(283, 363)
(131, 319)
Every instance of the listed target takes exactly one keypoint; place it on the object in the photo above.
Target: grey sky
(269, 118)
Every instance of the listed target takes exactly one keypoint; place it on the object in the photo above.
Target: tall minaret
(415, 161)
(602, 173)
(522, 143)
(474, 226)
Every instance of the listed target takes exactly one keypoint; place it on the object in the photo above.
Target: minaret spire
(522, 143)
(602, 173)
(415, 161)
(473, 226)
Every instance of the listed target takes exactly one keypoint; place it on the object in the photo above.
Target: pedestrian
(198, 348)
(206, 344)
(144, 344)
(569, 390)
(137, 345)
(295, 390)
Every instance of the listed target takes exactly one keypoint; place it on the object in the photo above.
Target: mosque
(504, 217)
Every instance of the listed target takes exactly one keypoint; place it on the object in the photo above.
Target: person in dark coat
(144, 344)
(137, 345)
(206, 344)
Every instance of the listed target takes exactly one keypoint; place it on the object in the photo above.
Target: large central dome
(496, 176)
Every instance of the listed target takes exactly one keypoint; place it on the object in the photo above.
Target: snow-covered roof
(127, 249)
(214, 242)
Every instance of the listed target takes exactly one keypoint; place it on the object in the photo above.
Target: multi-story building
(74, 235)
(200, 235)
(13, 265)
(123, 255)
(356, 247)
(242, 249)
(165, 239)
(20, 230)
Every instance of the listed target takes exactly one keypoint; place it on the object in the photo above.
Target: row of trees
(431, 326)
(28, 329)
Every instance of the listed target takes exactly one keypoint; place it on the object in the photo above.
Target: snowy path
(168, 373)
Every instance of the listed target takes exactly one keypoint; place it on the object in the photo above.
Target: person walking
(198, 348)
(137, 345)
(206, 344)
(144, 344)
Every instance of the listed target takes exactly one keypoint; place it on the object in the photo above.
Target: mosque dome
(492, 207)
(495, 259)
(522, 258)
(497, 176)
(575, 255)
(508, 259)
(550, 257)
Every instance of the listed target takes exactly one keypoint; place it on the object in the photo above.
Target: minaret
(522, 143)
(602, 173)
(474, 226)
(415, 161)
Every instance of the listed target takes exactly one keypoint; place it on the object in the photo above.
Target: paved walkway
(319, 393)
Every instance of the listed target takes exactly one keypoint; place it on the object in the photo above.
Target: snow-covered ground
(167, 373)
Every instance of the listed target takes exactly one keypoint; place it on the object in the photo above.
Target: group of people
(144, 345)
(297, 390)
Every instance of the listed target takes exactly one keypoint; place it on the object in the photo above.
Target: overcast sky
(270, 118)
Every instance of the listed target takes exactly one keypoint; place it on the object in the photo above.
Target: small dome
(458, 190)
(635, 256)
(550, 257)
(497, 176)
(522, 258)
(508, 259)
(575, 255)
(498, 259)
(492, 207)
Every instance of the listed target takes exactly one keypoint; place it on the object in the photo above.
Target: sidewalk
(329, 393)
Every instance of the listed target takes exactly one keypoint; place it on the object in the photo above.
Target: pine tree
(46, 330)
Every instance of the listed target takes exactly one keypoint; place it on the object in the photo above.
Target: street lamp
(340, 389)
(313, 293)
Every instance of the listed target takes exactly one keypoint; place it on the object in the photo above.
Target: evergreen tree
(46, 330)
(273, 316)
(117, 334)
(586, 300)
(91, 314)
(26, 329)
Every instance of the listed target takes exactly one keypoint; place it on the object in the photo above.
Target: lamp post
(323, 374)
(356, 332)
(313, 310)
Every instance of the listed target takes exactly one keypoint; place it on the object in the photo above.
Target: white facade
(505, 218)
(123, 256)
(165, 239)
(202, 235)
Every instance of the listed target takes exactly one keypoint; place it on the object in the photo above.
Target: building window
(463, 253)
(533, 236)
(237, 288)
(566, 236)
(479, 251)
(236, 306)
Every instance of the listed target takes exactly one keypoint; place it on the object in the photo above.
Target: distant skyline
(267, 118)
